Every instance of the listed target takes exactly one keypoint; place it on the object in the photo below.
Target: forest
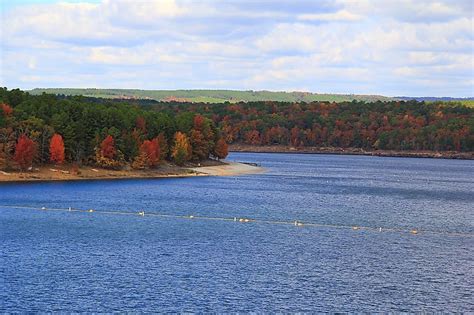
(390, 125)
(43, 129)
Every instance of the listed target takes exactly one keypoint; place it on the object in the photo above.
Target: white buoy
(141, 213)
(191, 217)
(90, 210)
(380, 229)
(43, 208)
(70, 209)
(235, 219)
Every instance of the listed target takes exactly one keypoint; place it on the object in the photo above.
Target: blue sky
(404, 47)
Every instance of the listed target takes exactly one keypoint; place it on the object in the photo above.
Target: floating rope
(241, 220)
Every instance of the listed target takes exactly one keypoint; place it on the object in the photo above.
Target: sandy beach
(51, 173)
(229, 169)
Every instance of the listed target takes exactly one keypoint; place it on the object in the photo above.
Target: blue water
(69, 261)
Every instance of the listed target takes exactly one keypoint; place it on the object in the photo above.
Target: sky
(393, 48)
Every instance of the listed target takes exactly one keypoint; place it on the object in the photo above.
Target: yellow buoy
(414, 231)
(90, 210)
(355, 228)
(141, 213)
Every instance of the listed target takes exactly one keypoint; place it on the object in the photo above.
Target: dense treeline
(39, 129)
(393, 125)
(48, 129)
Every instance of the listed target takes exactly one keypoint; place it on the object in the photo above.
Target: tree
(56, 149)
(6, 109)
(25, 151)
(5, 112)
(140, 122)
(149, 154)
(107, 147)
(182, 149)
(199, 145)
(221, 150)
(107, 156)
(163, 145)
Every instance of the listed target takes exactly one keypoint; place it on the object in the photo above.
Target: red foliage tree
(151, 150)
(141, 124)
(221, 149)
(198, 122)
(107, 147)
(25, 151)
(253, 137)
(7, 110)
(56, 149)
(199, 145)
(295, 135)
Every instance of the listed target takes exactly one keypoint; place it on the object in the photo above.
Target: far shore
(64, 173)
(351, 151)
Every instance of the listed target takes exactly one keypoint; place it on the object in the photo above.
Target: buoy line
(297, 223)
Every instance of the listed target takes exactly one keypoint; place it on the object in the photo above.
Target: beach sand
(51, 173)
(229, 169)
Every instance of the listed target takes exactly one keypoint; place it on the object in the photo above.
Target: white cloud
(347, 46)
(342, 15)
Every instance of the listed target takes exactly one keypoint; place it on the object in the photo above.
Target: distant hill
(434, 99)
(210, 96)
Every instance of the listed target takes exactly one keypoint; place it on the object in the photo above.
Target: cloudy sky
(416, 48)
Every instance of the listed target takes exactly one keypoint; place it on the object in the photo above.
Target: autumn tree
(107, 147)
(181, 151)
(107, 155)
(6, 109)
(25, 151)
(221, 149)
(140, 122)
(56, 149)
(149, 154)
(199, 145)
(201, 138)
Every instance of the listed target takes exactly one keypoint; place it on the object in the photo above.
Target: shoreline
(351, 151)
(51, 174)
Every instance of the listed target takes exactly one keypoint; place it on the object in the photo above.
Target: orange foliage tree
(221, 150)
(107, 147)
(56, 149)
(6, 109)
(182, 149)
(107, 156)
(149, 154)
(25, 151)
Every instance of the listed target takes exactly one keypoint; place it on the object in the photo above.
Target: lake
(77, 261)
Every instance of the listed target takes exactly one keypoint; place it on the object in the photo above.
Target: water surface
(63, 261)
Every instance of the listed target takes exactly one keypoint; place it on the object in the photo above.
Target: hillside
(210, 96)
